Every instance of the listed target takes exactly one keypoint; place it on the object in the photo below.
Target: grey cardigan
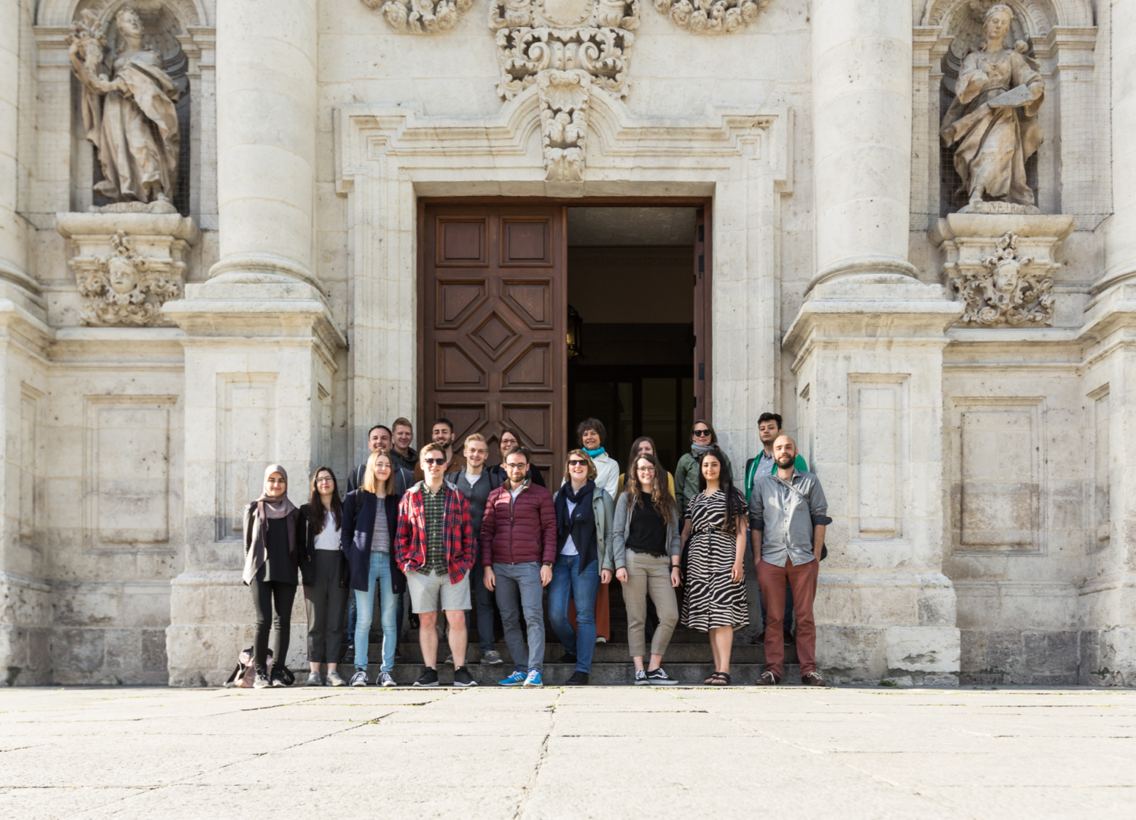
(623, 529)
(601, 511)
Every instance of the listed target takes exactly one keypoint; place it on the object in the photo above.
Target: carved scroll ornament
(421, 16)
(1006, 292)
(711, 16)
(568, 49)
(125, 288)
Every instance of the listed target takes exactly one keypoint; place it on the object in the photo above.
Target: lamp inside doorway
(575, 333)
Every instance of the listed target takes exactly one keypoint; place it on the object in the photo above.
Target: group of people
(456, 534)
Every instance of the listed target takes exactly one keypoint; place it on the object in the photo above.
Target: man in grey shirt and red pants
(787, 518)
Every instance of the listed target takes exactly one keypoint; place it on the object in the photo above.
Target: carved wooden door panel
(495, 320)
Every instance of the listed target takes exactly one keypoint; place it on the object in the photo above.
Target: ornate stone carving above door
(421, 16)
(711, 16)
(568, 49)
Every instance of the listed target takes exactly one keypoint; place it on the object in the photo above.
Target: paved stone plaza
(598, 752)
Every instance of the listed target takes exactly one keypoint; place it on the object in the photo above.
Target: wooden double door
(494, 312)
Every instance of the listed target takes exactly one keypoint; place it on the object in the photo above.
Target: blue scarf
(593, 453)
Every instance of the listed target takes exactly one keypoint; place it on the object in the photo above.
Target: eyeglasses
(701, 433)
(576, 462)
(438, 461)
(516, 466)
(325, 479)
(646, 471)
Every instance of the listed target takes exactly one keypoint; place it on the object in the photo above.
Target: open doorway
(632, 277)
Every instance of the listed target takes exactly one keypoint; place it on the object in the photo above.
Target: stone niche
(1001, 267)
(127, 265)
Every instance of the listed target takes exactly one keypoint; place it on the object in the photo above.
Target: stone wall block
(153, 657)
(923, 649)
(77, 651)
(123, 649)
(937, 606)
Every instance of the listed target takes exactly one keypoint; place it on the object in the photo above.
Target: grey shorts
(427, 591)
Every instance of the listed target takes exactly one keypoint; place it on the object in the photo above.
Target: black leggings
(264, 595)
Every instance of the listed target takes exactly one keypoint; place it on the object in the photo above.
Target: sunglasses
(438, 461)
(575, 462)
(701, 433)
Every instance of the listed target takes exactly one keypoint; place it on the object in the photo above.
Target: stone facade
(959, 380)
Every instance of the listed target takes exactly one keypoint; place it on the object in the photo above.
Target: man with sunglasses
(434, 548)
(518, 548)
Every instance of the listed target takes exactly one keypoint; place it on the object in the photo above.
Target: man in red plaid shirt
(434, 547)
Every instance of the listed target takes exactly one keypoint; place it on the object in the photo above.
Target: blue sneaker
(534, 679)
(515, 679)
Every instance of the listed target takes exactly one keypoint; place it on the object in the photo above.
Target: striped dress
(711, 599)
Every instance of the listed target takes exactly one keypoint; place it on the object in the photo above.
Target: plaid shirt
(434, 506)
(410, 540)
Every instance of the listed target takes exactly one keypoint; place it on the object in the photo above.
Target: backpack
(245, 673)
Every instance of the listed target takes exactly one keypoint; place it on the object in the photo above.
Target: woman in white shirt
(325, 577)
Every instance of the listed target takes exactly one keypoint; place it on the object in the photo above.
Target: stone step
(603, 674)
(616, 653)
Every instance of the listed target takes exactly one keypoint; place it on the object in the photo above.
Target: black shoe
(429, 678)
(462, 678)
(578, 679)
(657, 677)
(567, 657)
(790, 640)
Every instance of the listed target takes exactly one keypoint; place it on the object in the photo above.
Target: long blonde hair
(370, 483)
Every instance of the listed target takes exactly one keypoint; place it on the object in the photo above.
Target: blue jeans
(581, 587)
(379, 570)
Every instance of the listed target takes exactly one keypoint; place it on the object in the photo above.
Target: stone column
(13, 228)
(862, 136)
(868, 351)
(1120, 229)
(266, 135)
(260, 339)
(1108, 594)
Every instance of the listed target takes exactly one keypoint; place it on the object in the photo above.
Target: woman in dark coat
(370, 517)
(271, 571)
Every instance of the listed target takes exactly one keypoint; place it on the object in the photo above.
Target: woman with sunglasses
(646, 553)
(703, 440)
(325, 577)
(583, 562)
(715, 533)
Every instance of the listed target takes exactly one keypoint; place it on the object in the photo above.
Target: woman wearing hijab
(583, 561)
(271, 571)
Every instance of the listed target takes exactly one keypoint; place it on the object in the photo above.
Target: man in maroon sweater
(518, 548)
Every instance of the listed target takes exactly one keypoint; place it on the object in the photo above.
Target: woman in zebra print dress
(715, 536)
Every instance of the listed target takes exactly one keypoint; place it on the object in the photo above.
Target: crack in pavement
(527, 790)
(181, 781)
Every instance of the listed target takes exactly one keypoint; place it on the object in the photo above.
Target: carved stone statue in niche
(129, 116)
(993, 120)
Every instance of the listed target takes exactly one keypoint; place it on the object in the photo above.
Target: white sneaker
(385, 679)
(641, 678)
(359, 678)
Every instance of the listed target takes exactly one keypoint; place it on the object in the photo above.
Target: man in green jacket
(768, 429)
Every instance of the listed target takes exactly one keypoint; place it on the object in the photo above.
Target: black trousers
(326, 598)
(267, 595)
